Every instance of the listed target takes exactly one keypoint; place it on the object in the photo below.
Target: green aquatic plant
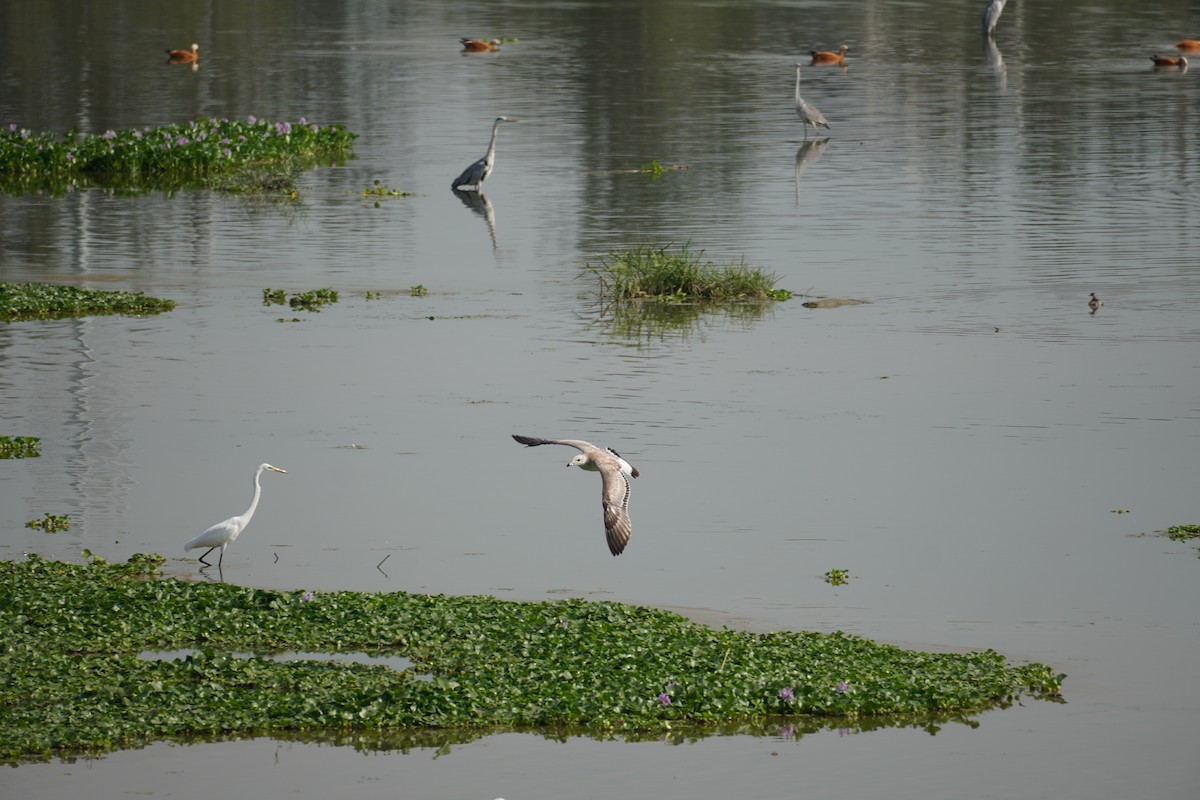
(77, 680)
(418, 290)
(21, 301)
(1182, 533)
(652, 170)
(313, 300)
(208, 152)
(837, 577)
(274, 297)
(679, 275)
(51, 523)
(20, 446)
(377, 189)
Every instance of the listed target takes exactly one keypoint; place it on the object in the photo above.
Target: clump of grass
(20, 446)
(20, 301)
(209, 151)
(51, 523)
(74, 681)
(680, 275)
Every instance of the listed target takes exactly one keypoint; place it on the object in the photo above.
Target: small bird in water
(183, 56)
(828, 57)
(808, 113)
(224, 533)
(480, 46)
(1188, 44)
(1169, 61)
(615, 473)
(1095, 303)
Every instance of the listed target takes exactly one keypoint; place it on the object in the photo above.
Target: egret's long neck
(797, 83)
(257, 493)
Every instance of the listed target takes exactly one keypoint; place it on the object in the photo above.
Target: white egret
(809, 115)
(615, 473)
(224, 533)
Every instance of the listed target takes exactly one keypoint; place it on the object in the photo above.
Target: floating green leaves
(20, 446)
(837, 577)
(418, 290)
(1182, 533)
(378, 190)
(51, 523)
(216, 152)
(312, 300)
(74, 681)
(22, 301)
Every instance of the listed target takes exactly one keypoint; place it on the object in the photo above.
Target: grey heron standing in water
(809, 115)
(991, 15)
(478, 172)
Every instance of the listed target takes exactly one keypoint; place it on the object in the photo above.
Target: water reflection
(995, 60)
(807, 155)
(478, 202)
(646, 321)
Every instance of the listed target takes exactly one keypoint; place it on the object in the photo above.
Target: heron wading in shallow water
(224, 533)
(478, 172)
(807, 111)
(614, 494)
(991, 15)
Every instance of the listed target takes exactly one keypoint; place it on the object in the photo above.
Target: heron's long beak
(277, 469)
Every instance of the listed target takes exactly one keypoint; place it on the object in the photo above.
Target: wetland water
(960, 444)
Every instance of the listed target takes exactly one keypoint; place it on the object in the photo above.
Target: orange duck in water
(184, 56)
(480, 46)
(827, 57)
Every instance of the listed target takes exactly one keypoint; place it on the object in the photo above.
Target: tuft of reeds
(680, 275)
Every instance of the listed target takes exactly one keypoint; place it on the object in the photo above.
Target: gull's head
(578, 461)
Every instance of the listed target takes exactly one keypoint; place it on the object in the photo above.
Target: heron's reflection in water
(995, 60)
(478, 202)
(808, 153)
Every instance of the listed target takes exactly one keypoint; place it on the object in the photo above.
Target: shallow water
(959, 444)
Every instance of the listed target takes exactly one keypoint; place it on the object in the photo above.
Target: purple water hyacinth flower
(70, 156)
(313, 127)
(12, 127)
(283, 128)
(252, 119)
(786, 694)
(137, 134)
(108, 135)
(842, 687)
(306, 597)
(227, 152)
(24, 133)
(302, 121)
(181, 141)
(224, 141)
(665, 699)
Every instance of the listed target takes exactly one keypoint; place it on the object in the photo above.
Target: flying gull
(615, 471)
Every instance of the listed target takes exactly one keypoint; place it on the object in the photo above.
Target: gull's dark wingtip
(528, 441)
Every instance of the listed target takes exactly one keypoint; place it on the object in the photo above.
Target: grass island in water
(219, 153)
(21, 301)
(681, 275)
(76, 680)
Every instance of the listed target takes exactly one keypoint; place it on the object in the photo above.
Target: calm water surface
(959, 444)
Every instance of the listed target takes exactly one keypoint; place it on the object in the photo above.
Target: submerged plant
(19, 301)
(20, 446)
(51, 523)
(74, 681)
(680, 275)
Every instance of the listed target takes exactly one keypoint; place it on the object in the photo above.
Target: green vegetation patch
(20, 301)
(217, 152)
(680, 275)
(51, 523)
(74, 681)
(1182, 533)
(20, 446)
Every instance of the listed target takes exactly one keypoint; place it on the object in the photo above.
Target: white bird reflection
(808, 153)
(477, 201)
(995, 60)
